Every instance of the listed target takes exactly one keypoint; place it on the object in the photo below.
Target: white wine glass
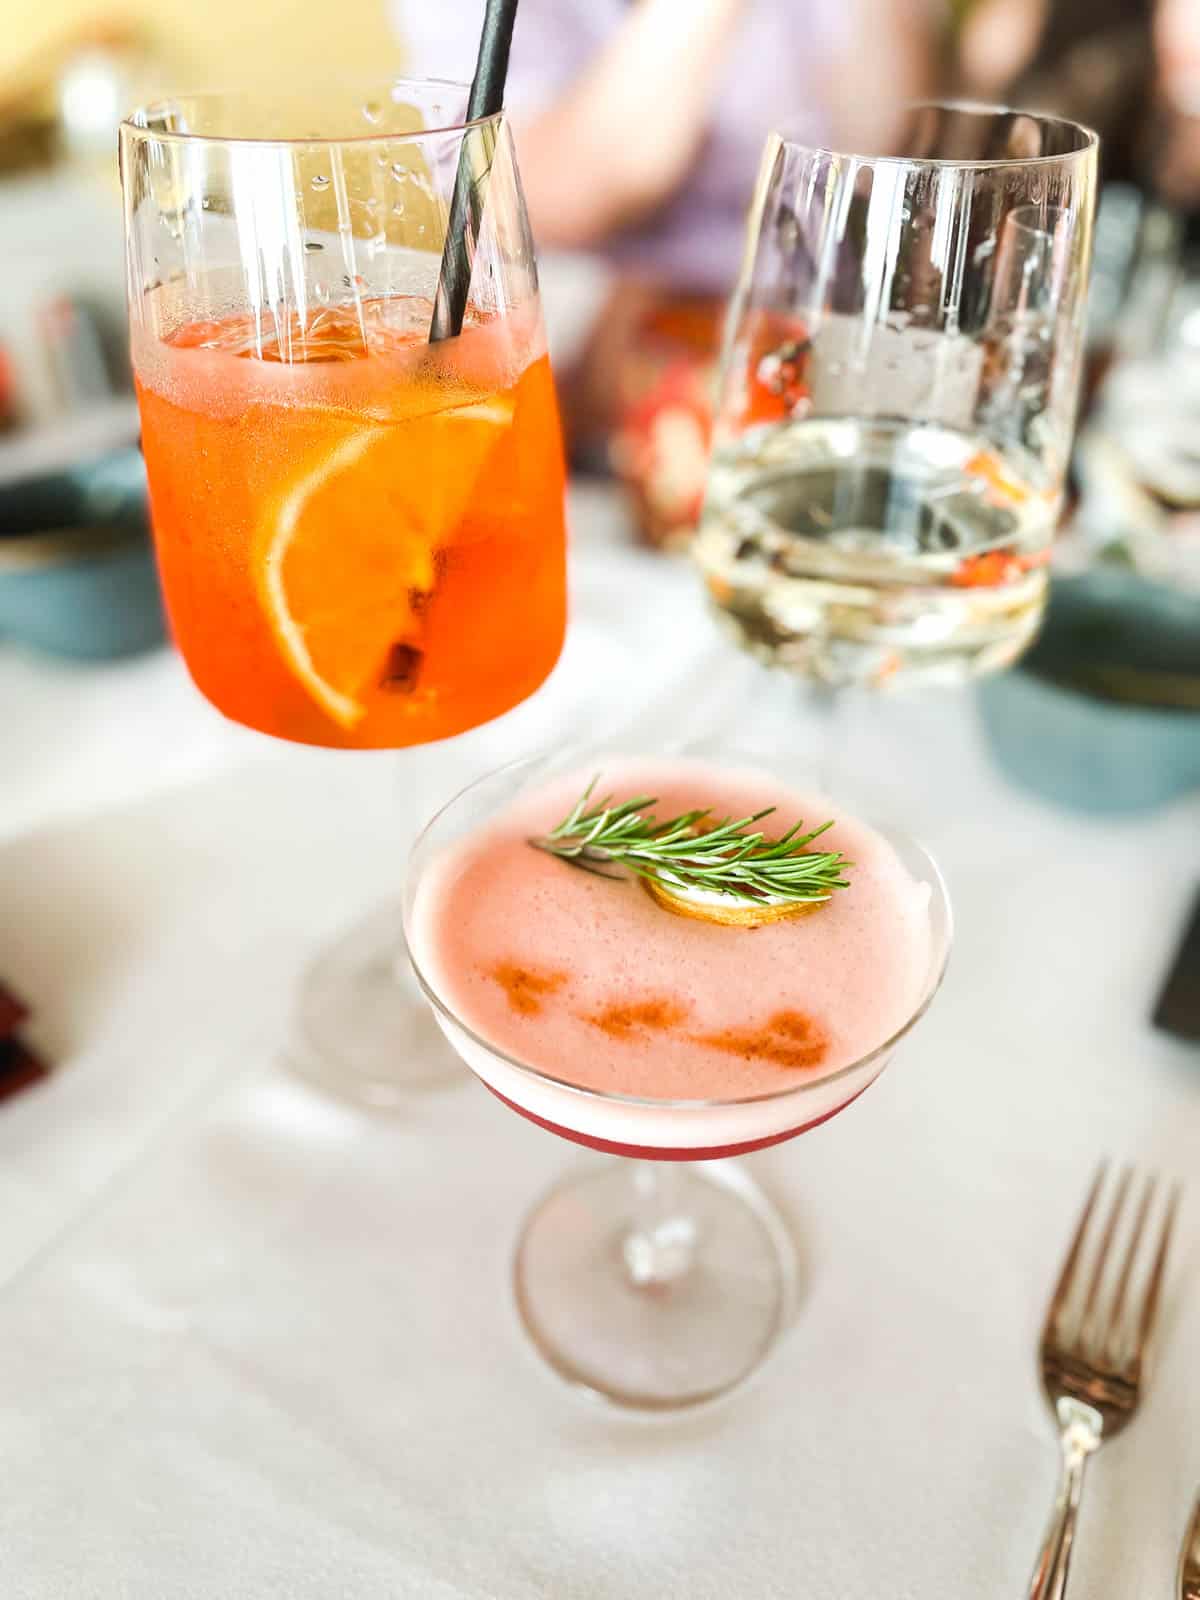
(898, 399)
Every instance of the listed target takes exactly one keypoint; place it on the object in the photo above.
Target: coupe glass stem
(660, 1247)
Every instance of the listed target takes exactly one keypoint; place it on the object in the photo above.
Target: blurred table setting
(229, 1301)
(76, 575)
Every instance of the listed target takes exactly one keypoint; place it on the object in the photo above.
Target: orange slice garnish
(345, 559)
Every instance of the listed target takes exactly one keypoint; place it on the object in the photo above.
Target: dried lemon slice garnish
(732, 911)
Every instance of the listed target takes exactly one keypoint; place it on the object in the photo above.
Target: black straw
(486, 99)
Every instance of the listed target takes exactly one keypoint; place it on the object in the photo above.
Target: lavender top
(777, 75)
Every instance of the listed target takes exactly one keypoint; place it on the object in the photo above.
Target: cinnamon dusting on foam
(788, 1038)
(623, 1018)
(526, 987)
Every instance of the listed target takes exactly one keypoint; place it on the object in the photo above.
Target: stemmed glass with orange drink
(360, 534)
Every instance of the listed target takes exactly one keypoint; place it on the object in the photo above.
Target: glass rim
(130, 124)
(940, 961)
(1089, 146)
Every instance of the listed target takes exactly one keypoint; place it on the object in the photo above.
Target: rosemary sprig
(692, 851)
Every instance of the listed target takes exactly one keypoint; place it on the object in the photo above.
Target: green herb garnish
(694, 851)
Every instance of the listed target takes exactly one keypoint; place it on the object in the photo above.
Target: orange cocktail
(360, 535)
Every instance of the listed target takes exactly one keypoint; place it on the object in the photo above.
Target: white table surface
(256, 1343)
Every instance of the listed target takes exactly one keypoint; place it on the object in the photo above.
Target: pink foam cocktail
(592, 1010)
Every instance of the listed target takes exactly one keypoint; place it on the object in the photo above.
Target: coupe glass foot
(654, 1285)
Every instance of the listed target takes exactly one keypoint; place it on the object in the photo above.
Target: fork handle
(1049, 1581)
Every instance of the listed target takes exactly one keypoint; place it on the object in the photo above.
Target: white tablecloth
(256, 1343)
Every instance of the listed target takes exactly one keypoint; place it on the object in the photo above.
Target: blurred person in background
(640, 125)
(1128, 68)
(1177, 50)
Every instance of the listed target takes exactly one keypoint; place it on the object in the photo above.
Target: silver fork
(1189, 1560)
(1094, 1352)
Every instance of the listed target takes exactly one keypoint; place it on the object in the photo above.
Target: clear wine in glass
(661, 1279)
(898, 398)
(360, 533)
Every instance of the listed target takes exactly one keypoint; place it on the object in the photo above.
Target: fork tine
(1118, 1301)
(1102, 1254)
(1189, 1559)
(1154, 1286)
(1066, 1279)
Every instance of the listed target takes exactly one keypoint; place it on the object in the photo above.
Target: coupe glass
(652, 1281)
(898, 398)
(360, 534)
